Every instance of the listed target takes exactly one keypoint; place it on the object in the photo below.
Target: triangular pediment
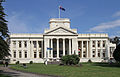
(61, 31)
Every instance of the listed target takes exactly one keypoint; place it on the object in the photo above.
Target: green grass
(86, 70)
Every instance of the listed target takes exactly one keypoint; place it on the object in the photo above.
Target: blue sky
(87, 16)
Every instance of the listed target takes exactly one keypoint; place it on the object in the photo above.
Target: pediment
(61, 31)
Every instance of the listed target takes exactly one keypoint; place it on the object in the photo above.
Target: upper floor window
(20, 44)
(25, 44)
(103, 43)
(98, 43)
(34, 44)
(93, 44)
(14, 44)
(40, 44)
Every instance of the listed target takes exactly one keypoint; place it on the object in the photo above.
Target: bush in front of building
(17, 62)
(116, 53)
(31, 62)
(70, 59)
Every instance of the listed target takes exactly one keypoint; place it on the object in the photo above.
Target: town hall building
(57, 41)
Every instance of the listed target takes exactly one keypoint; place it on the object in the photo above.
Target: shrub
(89, 61)
(70, 59)
(17, 62)
(31, 62)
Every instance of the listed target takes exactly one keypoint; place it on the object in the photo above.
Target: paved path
(14, 73)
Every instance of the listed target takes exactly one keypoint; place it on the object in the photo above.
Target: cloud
(15, 24)
(105, 26)
(117, 14)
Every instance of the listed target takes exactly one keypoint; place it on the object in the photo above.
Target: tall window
(14, 44)
(35, 54)
(40, 54)
(20, 54)
(25, 54)
(34, 43)
(103, 43)
(39, 43)
(14, 54)
(93, 43)
(98, 53)
(20, 45)
(25, 44)
(98, 43)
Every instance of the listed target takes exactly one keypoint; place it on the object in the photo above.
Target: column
(96, 48)
(69, 46)
(101, 47)
(87, 49)
(82, 49)
(32, 53)
(17, 48)
(63, 47)
(57, 48)
(29, 48)
(37, 49)
(48, 46)
(52, 48)
(45, 47)
(42, 49)
(91, 55)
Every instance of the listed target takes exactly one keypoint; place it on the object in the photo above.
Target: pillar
(52, 48)
(63, 47)
(69, 46)
(82, 49)
(96, 49)
(87, 50)
(57, 48)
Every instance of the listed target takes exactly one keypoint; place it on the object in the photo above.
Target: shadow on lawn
(107, 64)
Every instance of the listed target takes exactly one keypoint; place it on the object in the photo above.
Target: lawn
(86, 70)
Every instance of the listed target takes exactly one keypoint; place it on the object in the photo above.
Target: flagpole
(59, 12)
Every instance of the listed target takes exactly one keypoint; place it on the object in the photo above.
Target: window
(84, 43)
(103, 43)
(40, 54)
(20, 45)
(98, 53)
(14, 54)
(25, 54)
(98, 43)
(35, 54)
(14, 44)
(20, 54)
(34, 43)
(93, 43)
(40, 44)
(25, 44)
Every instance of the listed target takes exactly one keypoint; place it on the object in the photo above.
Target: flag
(60, 7)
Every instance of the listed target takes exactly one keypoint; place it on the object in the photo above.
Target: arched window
(35, 54)
(25, 54)
(20, 54)
(14, 54)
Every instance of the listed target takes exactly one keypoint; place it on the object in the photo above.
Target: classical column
(48, 46)
(37, 49)
(63, 47)
(69, 46)
(91, 55)
(52, 48)
(96, 48)
(57, 48)
(42, 48)
(17, 47)
(101, 47)
(87, 49)
(29, 48)
(82, 49)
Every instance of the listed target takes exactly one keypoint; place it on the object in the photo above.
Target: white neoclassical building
(57, 41)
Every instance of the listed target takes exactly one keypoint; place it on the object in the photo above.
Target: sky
(87, 16)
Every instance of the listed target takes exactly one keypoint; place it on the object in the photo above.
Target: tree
(70, 59)
(4, 47)
(116, 53)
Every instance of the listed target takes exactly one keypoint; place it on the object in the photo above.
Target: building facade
(57, 41)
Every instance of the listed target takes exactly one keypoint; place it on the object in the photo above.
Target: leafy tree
(70, 59)
(4, 47)
(116, 53)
